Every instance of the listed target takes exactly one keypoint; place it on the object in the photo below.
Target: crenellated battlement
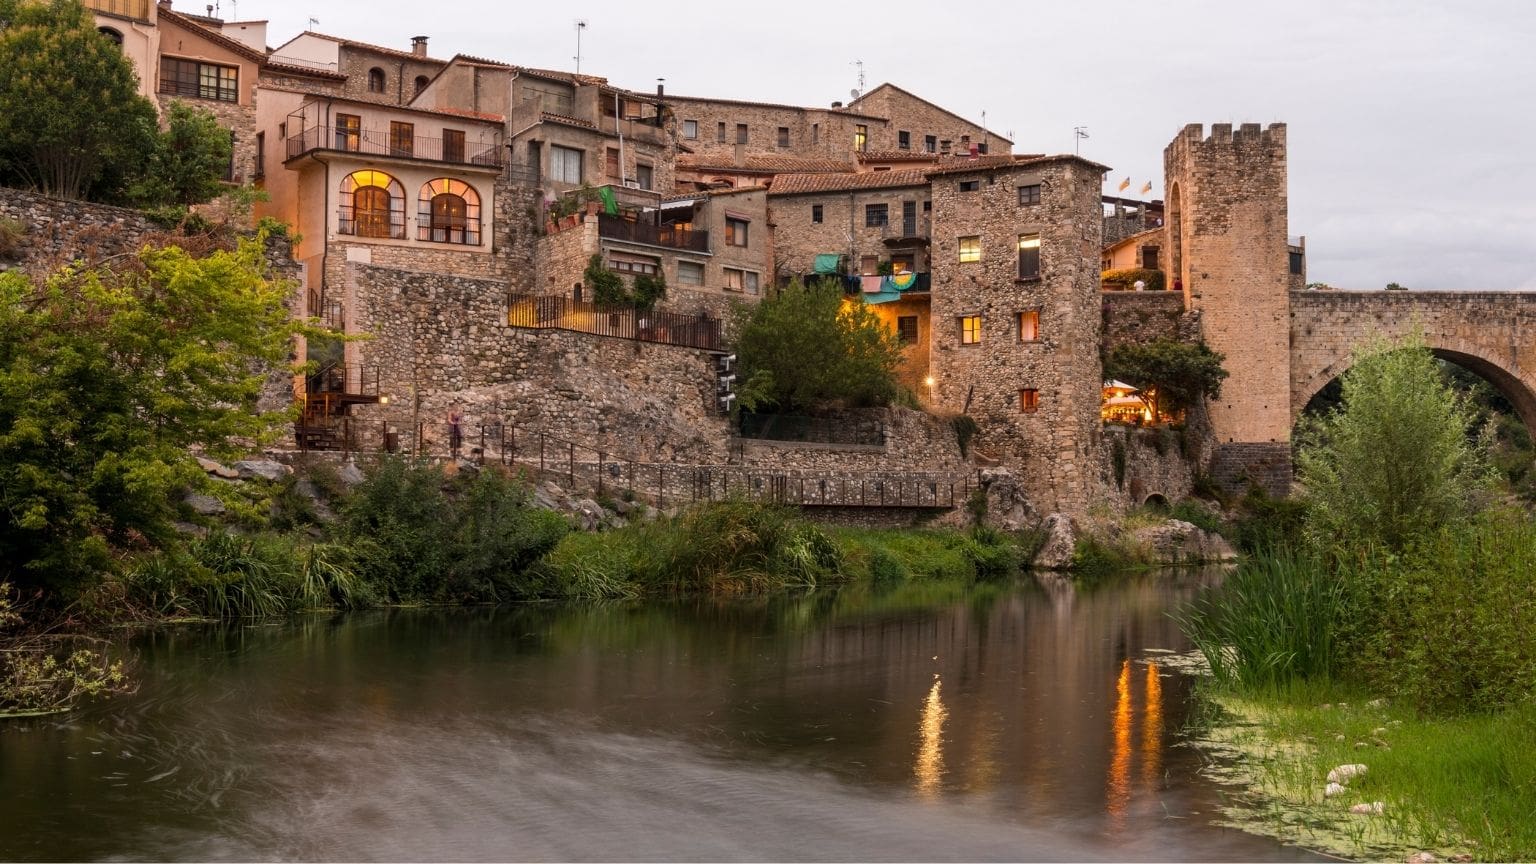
(1249, 137)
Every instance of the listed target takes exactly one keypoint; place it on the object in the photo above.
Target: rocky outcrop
(1060, 543)
(1177, 542)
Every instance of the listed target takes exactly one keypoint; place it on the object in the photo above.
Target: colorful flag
(1125, 184)
(1147, 188)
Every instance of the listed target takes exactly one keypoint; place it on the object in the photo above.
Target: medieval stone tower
(1226, 235)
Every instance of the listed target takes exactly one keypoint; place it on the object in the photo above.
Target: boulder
(206, 505)
(266, 469)
(1179, 542)
(350, 475)
(1344, 773)
(1060, 543)
(216, 469)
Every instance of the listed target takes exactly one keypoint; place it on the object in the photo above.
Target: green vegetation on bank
(1395, 584)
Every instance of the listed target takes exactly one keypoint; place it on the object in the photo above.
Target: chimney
(661, 87)
(419, 46)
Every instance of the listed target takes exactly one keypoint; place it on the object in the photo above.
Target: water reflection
(776, 728)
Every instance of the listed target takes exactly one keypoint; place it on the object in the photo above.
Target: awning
(828, 264)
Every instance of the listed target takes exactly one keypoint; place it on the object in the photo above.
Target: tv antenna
(859, 91)
(313, 23)
(1078, 134)
(581, 24)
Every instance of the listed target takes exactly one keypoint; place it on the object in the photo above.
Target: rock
(1367, 809)
(1333, 789)
(1339, 737)
(350, 475)
(1179, 542)
(1379, 730)
(206, 505)
(216, 469)
(589, 513)
(1422, 858)
(266, 469)
(1376, 703)
(190, 529)
(1344, 773)
(1060, 543)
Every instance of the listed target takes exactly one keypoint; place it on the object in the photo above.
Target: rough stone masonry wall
(59, 231)
(1053, 450)
(1141, 317)
(797, 240)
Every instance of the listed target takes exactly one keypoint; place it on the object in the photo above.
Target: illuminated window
(860, 137)
(736, 231)
(199, 80)
(1029, 325)
(564, 164)
(448, 211)
(904, 140)
(690, 129)
(876, 215)
(453, 145)
(690, 273)
(1029, 256)
(1030, 194)
(970, 330)
(372, 205)
(402, 139)
(349, 132)
(375, 80)
(970, 249)
(906, 328)
(1029, 400)
(783, 136)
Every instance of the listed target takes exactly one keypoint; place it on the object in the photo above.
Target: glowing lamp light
(928, 382)
(383, 400)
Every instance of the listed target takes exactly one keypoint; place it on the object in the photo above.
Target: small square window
(1029, 326)
(783, 136)
(904, 140)
(876, 215)
(690, 129)
(927, 206)
(906, 328)
(816, 213)
(970, 185)
(970, 330)
(1029, 400)
(1029, 195)
(736, 231)
(981, 148)
(734, 279)
(690, 273)
(970, 249)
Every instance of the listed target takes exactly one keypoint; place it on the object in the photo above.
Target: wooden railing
(619, 228)
(555, 312)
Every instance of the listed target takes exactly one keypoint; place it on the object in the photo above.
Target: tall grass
(1274, 620)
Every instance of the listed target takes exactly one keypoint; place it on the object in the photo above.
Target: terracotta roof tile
(897, 156)
(569, 121)
(960, 165)
(394, 52)
(751, 104)
(766, 163)
(912, 95)
(804, 184)
(713, 193)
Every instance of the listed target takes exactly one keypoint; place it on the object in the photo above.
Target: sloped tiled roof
(960, 165)
(394, 52)
(778, 105)
(897, 156)
(767, 163)
(713, 193)
(911, 95)
(804, 184)
(567, 120)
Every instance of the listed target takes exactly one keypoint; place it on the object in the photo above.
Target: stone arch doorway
(1157, 501)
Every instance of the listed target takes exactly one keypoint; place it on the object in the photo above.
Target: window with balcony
(876, 215)
(1029, 256)
(565, 164)
(970, 330)
(372, 205)
(1029, 326)
(402, 138)
(816, 213)
(349, 132)
(860, 137)
(448, 211)
(736, 231)
(741, 133)
(970, 250)
(783, 136)
(690, 273)
(906, 328)
(375, 80)
(199, 80)
(1029, 195)
(690, 129)
(453, 145)
(904, 140)
(1029, 400)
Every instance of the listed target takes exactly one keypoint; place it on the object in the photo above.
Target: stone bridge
(1492, 334)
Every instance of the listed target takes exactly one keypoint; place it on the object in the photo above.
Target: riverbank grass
(1451, 785)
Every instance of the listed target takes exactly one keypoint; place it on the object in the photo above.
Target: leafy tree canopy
(806, 346)
(188, 161)
(107, 380)
(1173, 375)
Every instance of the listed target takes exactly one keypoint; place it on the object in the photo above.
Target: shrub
(605, 286)
(1125, 279)
(965, 427)
(1194, 514)
(12, 232)
(1172, 375)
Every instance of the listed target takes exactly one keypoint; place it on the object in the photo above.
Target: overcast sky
(1412, 125)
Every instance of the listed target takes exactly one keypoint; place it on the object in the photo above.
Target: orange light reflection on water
(1119, 791)
(1152, 728)
(929, 768)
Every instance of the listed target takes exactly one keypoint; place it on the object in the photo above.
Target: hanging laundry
(871, 284)
(828, 264)
(901, 281)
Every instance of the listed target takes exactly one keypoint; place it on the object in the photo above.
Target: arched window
(372, 205)
(448, 211)
(376, 80)
(421, 83)
(115, 36)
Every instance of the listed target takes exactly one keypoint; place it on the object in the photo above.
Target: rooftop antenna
(1078, 134)
(581, 24)
(860, 91)
(313, 23)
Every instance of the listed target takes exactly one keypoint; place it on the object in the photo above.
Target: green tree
(605, 286)
(107, 380)
(74, 122)
(1397, 461)
(807, 346)
(188, 161)
(1173, 375)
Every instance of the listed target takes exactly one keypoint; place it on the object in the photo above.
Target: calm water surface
(933, 722)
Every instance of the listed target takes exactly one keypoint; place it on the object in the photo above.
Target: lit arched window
(372, 205)
(448, 211)
(421, 83)
(376, 80)
(115, 36)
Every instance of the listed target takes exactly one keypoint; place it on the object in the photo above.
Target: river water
(928, 722)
